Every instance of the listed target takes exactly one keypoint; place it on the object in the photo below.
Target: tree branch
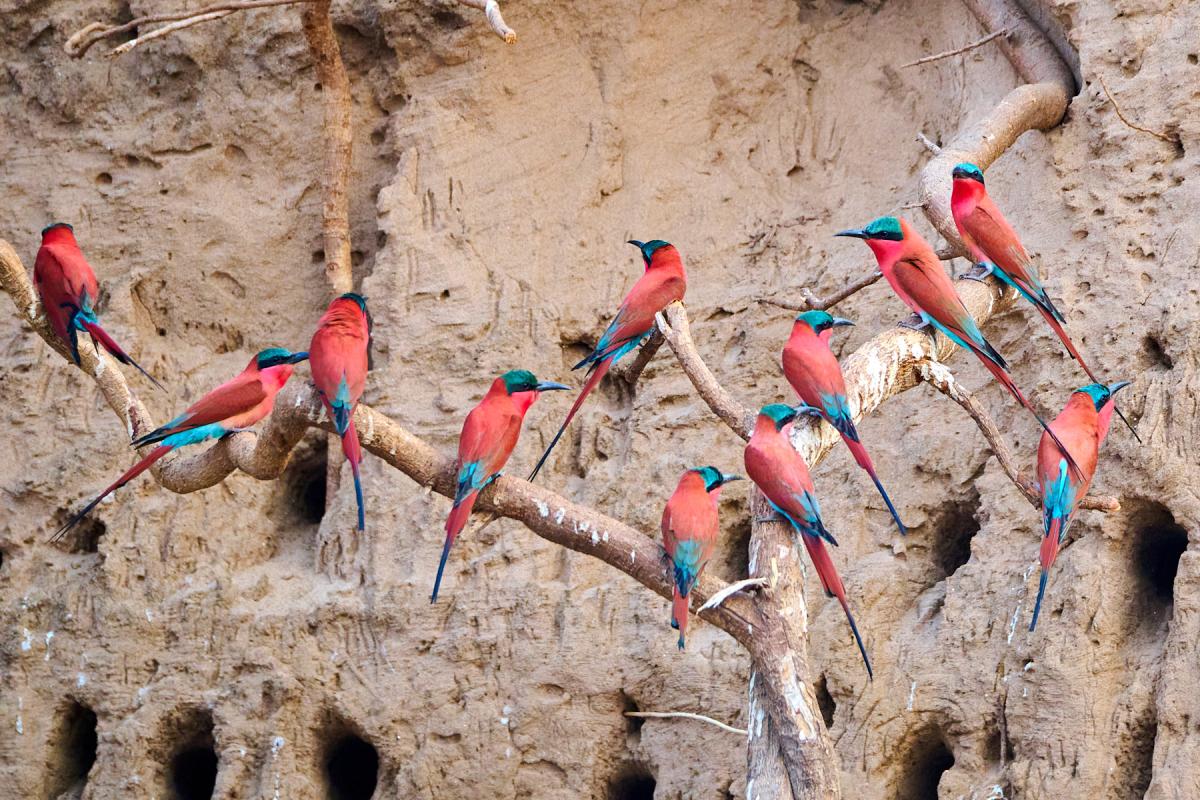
(1039, 104)
(1173, 140)
(938, 376)
(491, 9)
(956, 51)
(82, 40)
(684, 715)
(298, 408)
(338, 139)
(813, 303)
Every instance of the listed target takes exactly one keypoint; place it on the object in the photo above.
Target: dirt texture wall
(494, 187)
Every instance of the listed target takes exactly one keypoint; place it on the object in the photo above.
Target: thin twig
(813, 303)
(685, 715)
(940, 377)
(732, 589)
(1166, 137)
(929, 143)
(646, 353)
(166, 30)
(82, 40)
(958, 50)
(491, 9)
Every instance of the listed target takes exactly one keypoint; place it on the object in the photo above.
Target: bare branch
(684, 715)
(814, 303)
(734, 588)
(298, 408)
(938, 376)
(673, 322)
(929, 145)
(956, 51)
(491, 9)
(646, 353)
(338, 140)
(1166, 137)
(82, 40)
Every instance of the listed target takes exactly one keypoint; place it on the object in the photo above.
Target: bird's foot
(804, 409)
(980, 272)
(914, 322)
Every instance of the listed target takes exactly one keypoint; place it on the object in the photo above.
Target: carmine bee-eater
(663, 282)
(1081, 427)
(488, 437)
(233, 406)
(993, 243)
(813, 371)
(338, 359)
(689, 529)
(782, 476)
(916, 275)
(68, 290)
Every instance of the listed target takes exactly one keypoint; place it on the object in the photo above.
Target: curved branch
(673, 322)
(297, 408)
(1040, 104)
(938, 376)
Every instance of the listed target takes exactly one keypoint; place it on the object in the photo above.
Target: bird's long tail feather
(115, 350)
(862, 648)
(1037, 607)
(353, 451)
(1048, 553)
(832, 583)
(863, 460)
(679, 615)
(455, 522)
(133, 472)
(600, 371)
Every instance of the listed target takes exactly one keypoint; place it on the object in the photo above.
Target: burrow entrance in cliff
(73, 750)
(350, 765)
(192, 769)
(633, 781)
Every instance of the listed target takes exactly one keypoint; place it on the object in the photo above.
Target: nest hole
(825, 701)
(74, 750)
(633, 725)
(1158, 354)
(735, 548)
(954, 526)
(351, 768)
(1160, 542)
(304, 482)
(928, 758)
(632, 782)
(192, 774)
(84, 537)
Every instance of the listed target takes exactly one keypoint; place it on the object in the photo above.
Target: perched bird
(233, 406)
(1081, 427)
(689, 529)
(68, 290)
(782, 476)
(813, 371)
(916, 275)
(488, 437)
(993, 243)
(663, 282)
(338, 359)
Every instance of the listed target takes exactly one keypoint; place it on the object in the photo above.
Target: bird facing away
(689, 529)
(488, 437)
(663, 283)
(782, 476)
(915, 274)
(233, 406)
(813, 371)
(994, 243)
(1081, 427)
(338, 359)
(68, 290)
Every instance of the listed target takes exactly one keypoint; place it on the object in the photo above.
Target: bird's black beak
(296, 358)
(1113, 388)
(840, 321)
(726, 478)
(636, 243)
(551, 386)
(857, 233)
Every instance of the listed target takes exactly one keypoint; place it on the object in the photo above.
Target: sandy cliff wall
(494, 187)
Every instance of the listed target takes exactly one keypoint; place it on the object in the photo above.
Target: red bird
(663, 282)
(689, 529)
(916, 275)
(813, 371)
(338, 359)
(68, 290)
(487, 440)
(993, 243)
(233, 406)
(1081, 427)
(782, 476)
